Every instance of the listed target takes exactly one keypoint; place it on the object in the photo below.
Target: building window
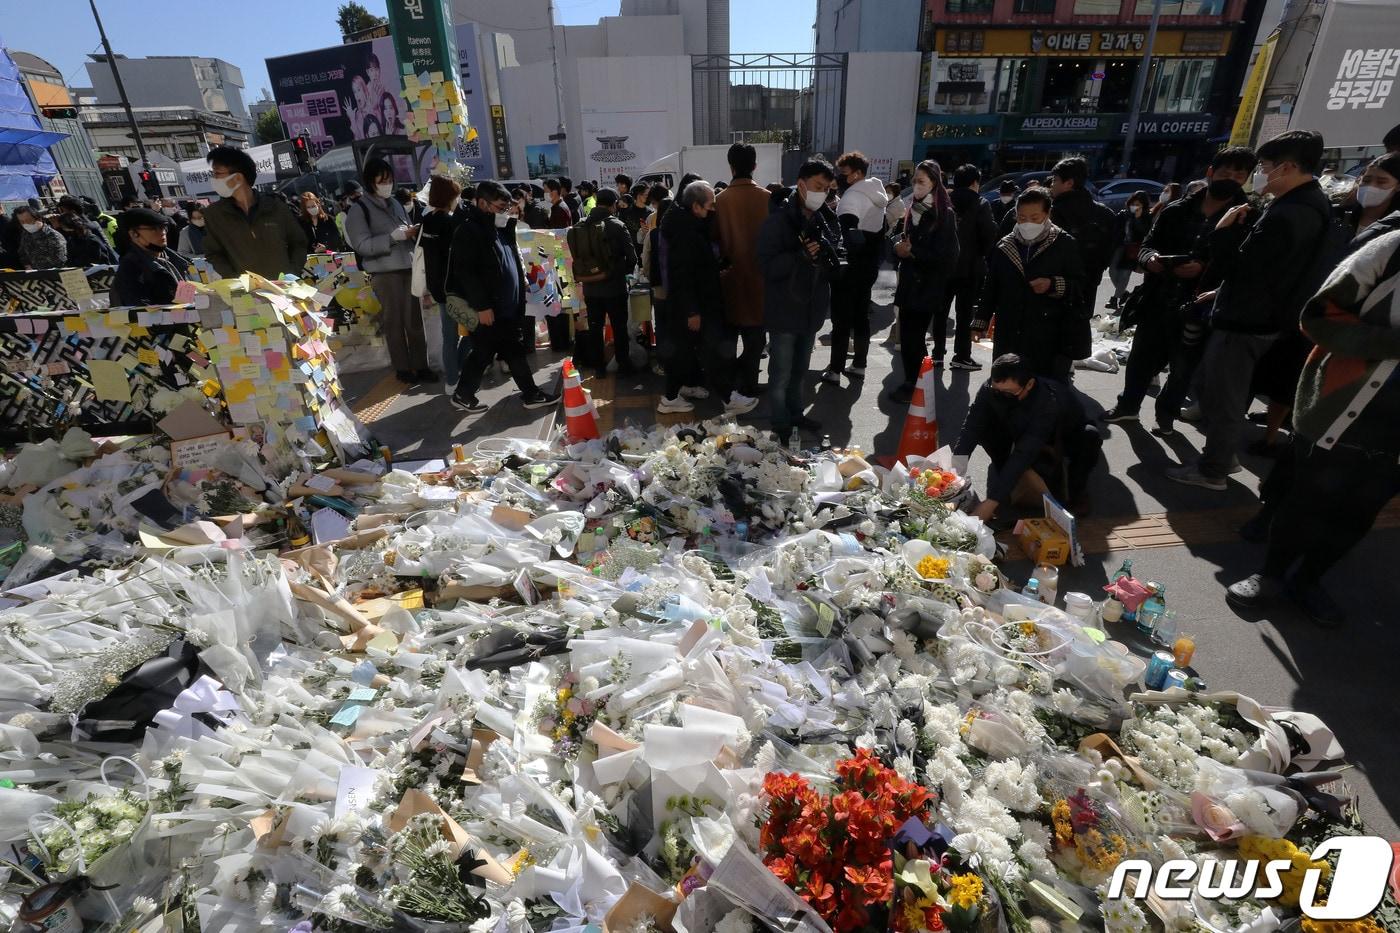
(1182, 7)
(962, 85)
(1012, 77)
(1181, 85)
(1034, 6)
(970, 6)
(1097, 7)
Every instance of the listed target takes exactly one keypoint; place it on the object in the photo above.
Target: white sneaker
(739, 404)
(694, 392)
(670, 406)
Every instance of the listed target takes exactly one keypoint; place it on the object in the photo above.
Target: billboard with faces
(339, 94)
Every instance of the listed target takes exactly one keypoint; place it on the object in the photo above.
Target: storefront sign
(954, 129)
(1081, 43)
(424, 39)
(1105, 126)
(502, 144)
(1352, 87)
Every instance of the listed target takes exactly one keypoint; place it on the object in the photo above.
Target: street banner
(473, 151)
(1242, 131)
(1351, 93)
(340, 94)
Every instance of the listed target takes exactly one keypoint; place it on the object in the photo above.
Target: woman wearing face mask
(1169, 194)
(320, 229)
(40, 245)
(192, 237)
(1135, 220)
(1033, 277)
(378, 230)
(440, 224)
(928, 255)
(1376, 194)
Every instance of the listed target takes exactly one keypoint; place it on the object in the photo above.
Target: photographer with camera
(800, 252)
(1176, 260)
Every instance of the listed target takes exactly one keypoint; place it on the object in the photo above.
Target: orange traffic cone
(580, 418)
(920, 437)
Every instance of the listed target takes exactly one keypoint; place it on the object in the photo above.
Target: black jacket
(475, 270)
(977, 234)
(575, 206)
(692, 268)
(797, 288)
(1049, 413)
(323, 230)
(1267, 268)
(1182, 228)
(147, 278)
(536, 214)
(1095, 230)
(923, 277)
(1000, 211)
(87, 248)
(1387, 224)
(624, 256)
(439, 227)
(1038, 327)
(1131, 232)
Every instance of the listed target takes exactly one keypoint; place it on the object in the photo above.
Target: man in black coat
(1032, 291)
(605, 294)
(1094, 227)
(695, 324)
(1037, 436)
(1268, 278)
(485, 274)
(1176, 259)
(977, 235)
(149, 272)
(1005, 203)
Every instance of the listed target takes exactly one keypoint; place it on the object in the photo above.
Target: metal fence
(797, 99)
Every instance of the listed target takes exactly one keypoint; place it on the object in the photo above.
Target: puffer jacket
(865, 200)
(796, 288)
(368, 225)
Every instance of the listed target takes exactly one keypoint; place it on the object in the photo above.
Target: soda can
(1177, 678)
(1157, 667)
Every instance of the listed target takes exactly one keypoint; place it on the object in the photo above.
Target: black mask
(1224, 189)
(842, 183)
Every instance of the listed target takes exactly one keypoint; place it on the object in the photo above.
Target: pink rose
(1219, 822)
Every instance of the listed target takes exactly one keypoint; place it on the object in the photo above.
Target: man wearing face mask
(801, 252)
(1005, 202)
(486, 281)
(243, 231)
(1034, 276)
(1094, 228)
(1176, 261)
(1035, 431)
(861, 214)
(40, 246)
(150, 271)
(1269, 273)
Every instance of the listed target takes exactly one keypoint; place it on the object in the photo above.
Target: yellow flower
(520, 861)
(966, 891)
(933, 568)
(1027, 628)
(1364, 925)
(564, 694)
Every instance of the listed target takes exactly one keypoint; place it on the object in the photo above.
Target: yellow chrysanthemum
(966, 891)
(933, 568)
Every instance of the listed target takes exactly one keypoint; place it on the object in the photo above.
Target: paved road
(1180, 536)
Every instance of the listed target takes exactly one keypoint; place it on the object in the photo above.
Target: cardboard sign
(196, 437)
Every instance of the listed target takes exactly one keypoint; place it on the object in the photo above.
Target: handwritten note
(75, 283)
(109, 380)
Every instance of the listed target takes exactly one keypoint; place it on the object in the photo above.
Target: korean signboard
(340, 94)
(423, 36)
(1081, 43)
(1351, 92)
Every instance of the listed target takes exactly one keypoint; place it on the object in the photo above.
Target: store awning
(20, 145)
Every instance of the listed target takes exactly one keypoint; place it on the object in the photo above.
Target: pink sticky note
(274, 359)
(184, 292)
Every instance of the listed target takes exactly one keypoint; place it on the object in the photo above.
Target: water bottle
(795, 440)
(1152, 609)
(1032, 589)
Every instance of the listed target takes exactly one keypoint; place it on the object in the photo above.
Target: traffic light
(150, 185)
(61, 113)
(301, 148)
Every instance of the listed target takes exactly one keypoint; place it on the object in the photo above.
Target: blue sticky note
(362, 695)
(346, 715)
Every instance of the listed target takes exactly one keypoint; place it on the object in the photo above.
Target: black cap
(351, 187)
(70, 202)
(145, 217)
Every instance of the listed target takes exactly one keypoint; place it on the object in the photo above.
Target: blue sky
(249, 31)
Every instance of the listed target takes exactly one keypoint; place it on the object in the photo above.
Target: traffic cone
(920, 437)
(580, 419)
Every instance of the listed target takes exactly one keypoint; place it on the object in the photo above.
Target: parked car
(991, 188)
(1114, 192)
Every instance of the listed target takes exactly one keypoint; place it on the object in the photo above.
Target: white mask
(33, 228)
(921, 189)
(1372, 196)
(1007, 199)
(814, 200)
(312, 209)
(1137, 211)
(197, 221)
(384, 190)
(226, 186)
(169, 211)
(502, 219)
(1030, 232)
(1259, 181)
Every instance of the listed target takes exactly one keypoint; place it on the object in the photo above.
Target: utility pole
(121, 89)
(560, 136)
(1139, 88)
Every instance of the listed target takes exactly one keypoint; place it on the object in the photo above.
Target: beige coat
(740, 211)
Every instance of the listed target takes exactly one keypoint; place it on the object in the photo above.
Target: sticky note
(346, 715)
(148, 356)
(362, 695)
(75, 283)
(109, 380)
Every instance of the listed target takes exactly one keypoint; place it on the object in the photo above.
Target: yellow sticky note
(425, 95)
(239, 392)
(75, 325)
(148, 357)
(109, 380)
(138, 331)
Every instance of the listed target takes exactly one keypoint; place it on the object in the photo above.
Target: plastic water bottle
(1152, 609)
(795, 440)
(1032, 589)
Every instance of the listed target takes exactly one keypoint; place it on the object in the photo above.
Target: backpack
(588, 245)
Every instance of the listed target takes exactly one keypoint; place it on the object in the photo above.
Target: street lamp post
(1139, 88)
(121, 89)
